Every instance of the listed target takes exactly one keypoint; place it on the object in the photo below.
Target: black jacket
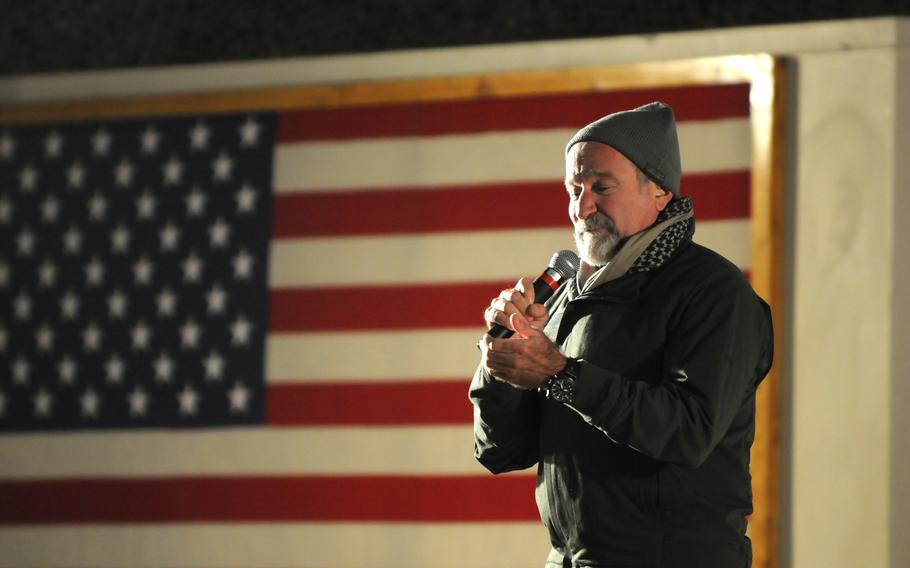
(649, 464)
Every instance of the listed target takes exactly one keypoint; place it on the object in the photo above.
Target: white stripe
(451, 257)
(423, 355)
(523, 155)
(271, 451)
(730, 238)
(280, 545)
(428, 258)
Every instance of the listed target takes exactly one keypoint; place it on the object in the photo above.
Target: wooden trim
(768, 107)
(706, 71)
(763, 72)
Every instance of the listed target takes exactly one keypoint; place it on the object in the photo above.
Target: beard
(596, 248)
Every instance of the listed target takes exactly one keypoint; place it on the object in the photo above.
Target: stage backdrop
(237, 329)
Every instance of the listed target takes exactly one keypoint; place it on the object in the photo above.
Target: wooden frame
(764, 73)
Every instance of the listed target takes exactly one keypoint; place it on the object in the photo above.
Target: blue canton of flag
(133, 272)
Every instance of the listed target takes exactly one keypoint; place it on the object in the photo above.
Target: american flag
(245, 339)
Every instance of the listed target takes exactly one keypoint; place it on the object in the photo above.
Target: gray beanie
(646, 136)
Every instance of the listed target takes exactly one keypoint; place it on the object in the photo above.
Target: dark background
(71, 35)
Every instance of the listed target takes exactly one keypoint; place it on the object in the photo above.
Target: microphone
(563, 265)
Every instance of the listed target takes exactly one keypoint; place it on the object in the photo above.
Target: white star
(25, 241)
(4, 274)
(115, 368)
(141, 334)
(189, 334)
(241, 330)
(249, 132)
(246, 199)
(167, 303)
(172, 170)
(94, 272)
(150, 138)
(199, 136)
(72, 241)
(116, 304)
(47, 273)
(97, 207)
(188, 400)
(69, 305)
(101, 142)
(239, 397)
(120, 239)
(44, 338)
(91, 337)
(75, 175)
(164, 368)
(53, 144)
(7, 146)
(138, 401)
(145, 205)
(214, 366)
(21, 370)
(192, 268)
(216, 299)
(243, 265)
(90, 403)
(43, 403)
(142, 270)
(219, 233)
(28, 178)
(22, 305)
(169, 236)
(67, 369)
(123, 173)
(222, 167)
(195, 203)
(50, 209)
(6, 209)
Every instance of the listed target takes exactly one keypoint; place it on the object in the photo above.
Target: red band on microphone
(549, 280)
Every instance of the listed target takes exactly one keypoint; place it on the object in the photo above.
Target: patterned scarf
(669, 239)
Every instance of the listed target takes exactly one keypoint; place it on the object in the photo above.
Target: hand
(517, 300)
(525, 360)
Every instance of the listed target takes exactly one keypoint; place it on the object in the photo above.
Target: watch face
(562, 389)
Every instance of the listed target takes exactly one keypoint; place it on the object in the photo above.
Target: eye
(574, 191)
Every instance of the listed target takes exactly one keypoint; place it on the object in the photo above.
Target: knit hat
(646, 136)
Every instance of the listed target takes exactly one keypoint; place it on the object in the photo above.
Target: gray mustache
(597, 221)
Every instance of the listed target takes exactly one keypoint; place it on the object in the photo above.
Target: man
(633, 387)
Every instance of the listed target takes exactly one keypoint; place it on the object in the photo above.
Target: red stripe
(381, 307)
(369, 404)
(513, 113)
(252, 499)
(521, 205)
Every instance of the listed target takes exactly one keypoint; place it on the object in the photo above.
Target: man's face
(607, 200)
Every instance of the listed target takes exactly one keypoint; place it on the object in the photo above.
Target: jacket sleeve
(505, 424)
(715, 357)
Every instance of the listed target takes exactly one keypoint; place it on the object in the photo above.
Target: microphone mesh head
(565, 262)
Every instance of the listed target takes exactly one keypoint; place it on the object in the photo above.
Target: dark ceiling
(66, 35)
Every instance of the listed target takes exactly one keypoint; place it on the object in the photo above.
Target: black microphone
(563, 265)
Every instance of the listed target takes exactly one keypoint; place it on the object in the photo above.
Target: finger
(536, 312)
(522, 327)
(526, 286)
(515, 297)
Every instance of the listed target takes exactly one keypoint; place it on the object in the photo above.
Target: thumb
(526, 286)
(522, 327)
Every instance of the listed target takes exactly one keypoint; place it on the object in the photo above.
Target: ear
(662, 197)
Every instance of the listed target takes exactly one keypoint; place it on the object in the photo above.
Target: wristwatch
(561, 386)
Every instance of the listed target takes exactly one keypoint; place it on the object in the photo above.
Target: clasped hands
(528, 358)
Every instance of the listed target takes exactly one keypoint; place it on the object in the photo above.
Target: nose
(585, 205)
